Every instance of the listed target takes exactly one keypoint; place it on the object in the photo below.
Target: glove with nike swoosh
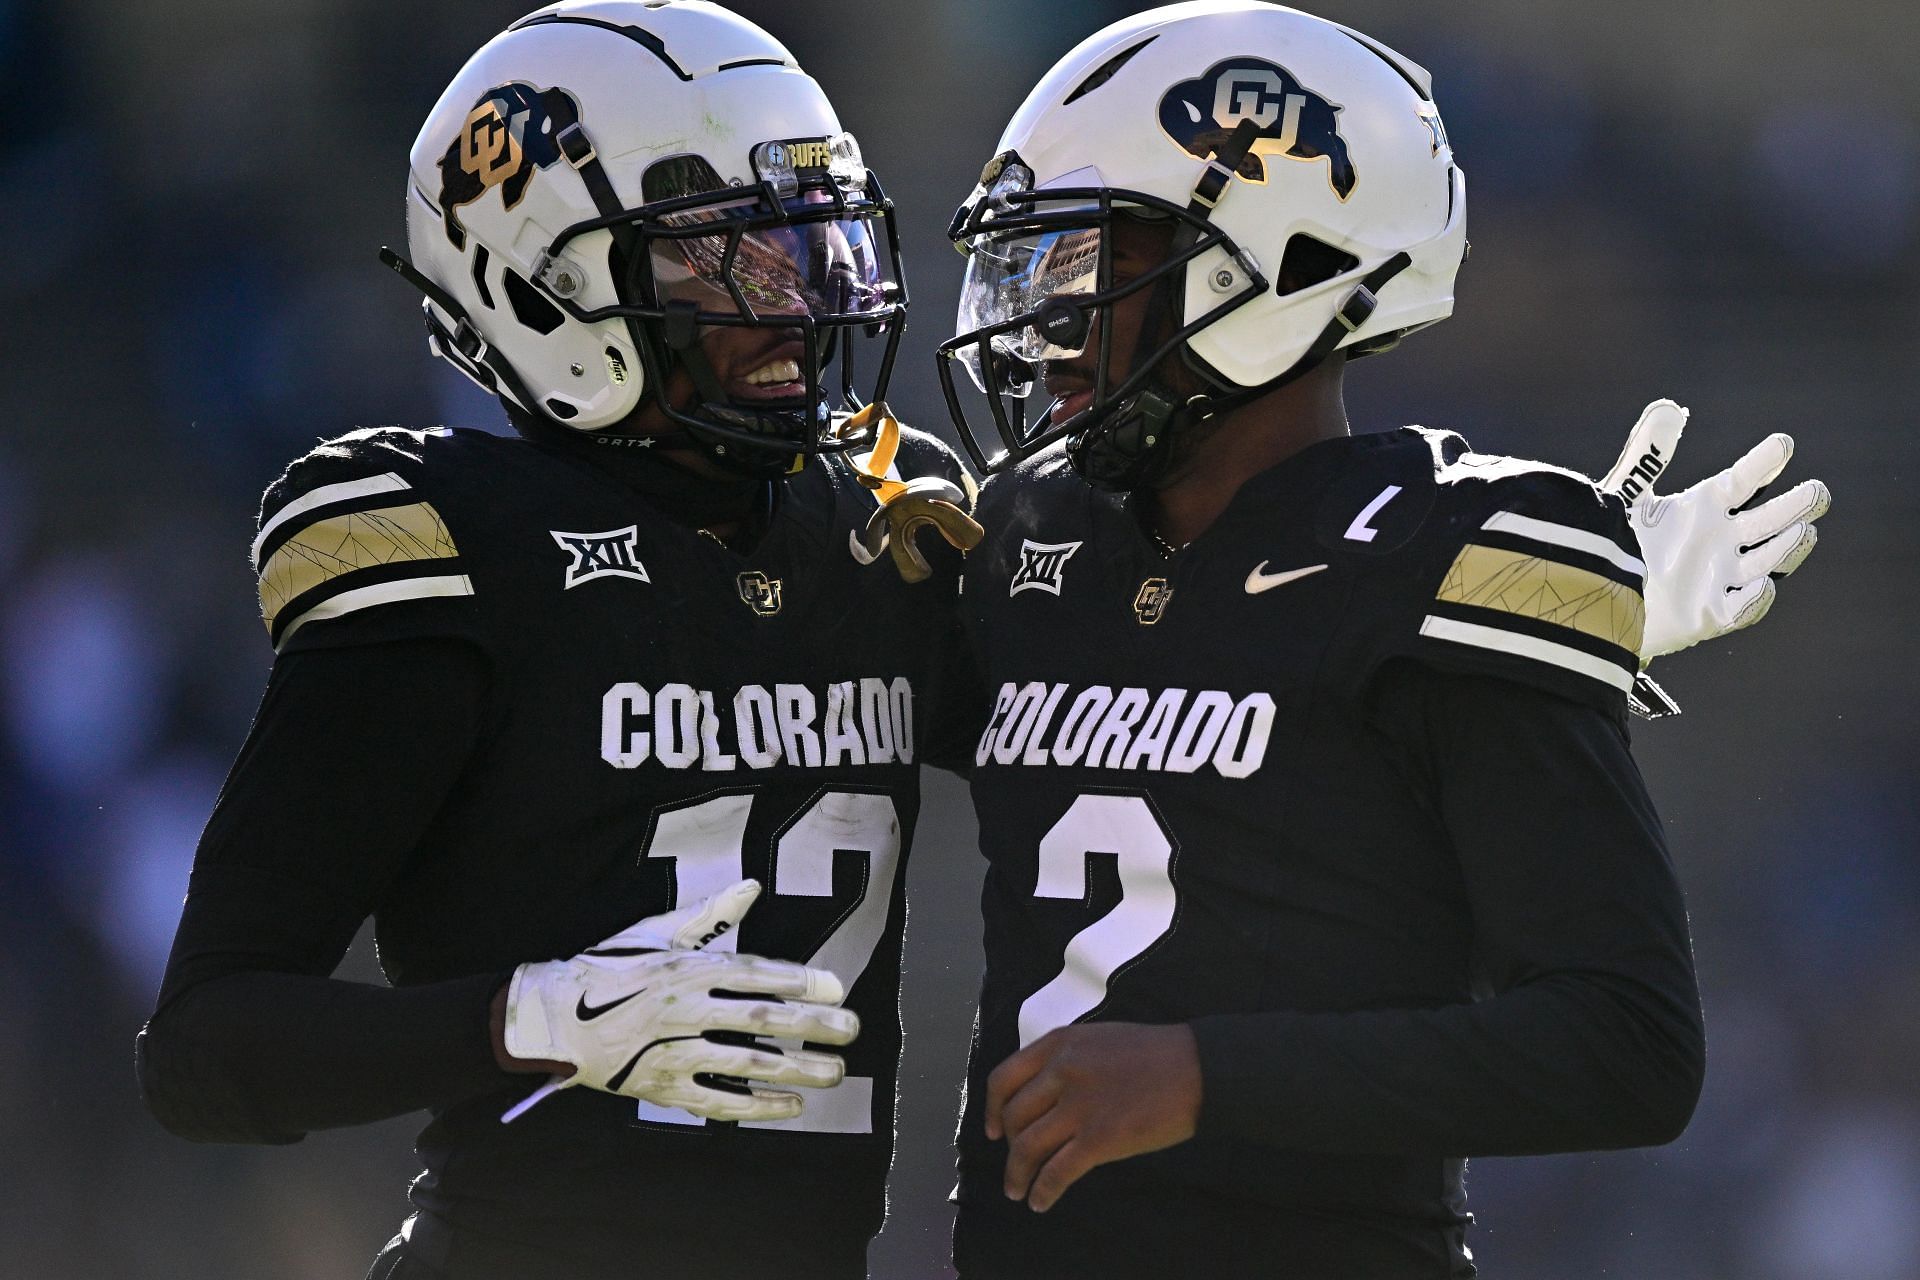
(1711, 562)
(632, 1016)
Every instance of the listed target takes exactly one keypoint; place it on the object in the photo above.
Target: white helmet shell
(1350, 152)
(489, 189)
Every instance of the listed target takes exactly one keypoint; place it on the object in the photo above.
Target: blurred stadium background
(1716, 201)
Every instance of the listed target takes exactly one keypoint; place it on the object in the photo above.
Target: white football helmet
(1315, 205)
(610, 190)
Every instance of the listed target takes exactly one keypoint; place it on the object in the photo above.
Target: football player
(505, 668)
(636, 663)
(1318, 861)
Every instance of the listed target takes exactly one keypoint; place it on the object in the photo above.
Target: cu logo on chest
(1150, 602)
(761, 593)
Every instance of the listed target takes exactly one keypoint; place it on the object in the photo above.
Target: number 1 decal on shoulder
(706, 841)
(1127, 827)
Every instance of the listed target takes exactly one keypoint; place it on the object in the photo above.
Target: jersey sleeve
(1531, 575)
(350, 759)
(355, 546)
(1591, 1037)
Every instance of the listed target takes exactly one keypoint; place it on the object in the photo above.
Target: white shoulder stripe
(1526, 646)
(1561, 535)
(381, 593)
(345, 491)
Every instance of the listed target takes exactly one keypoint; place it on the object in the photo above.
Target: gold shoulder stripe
(341, 544)
(325, 495)
(1534, 587)
(1561, 535)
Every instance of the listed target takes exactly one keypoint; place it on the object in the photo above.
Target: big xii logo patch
(1294, 121)
(1041, 564)
(602, 555)
(508, 135)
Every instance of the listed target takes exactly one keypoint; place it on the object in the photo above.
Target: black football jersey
(666, 715)
(1186, 814)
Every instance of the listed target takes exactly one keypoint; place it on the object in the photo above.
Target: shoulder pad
(1525, 571)
(351, 526)
(1021, 481)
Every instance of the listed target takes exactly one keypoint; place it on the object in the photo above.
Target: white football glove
(631, 1014)
(1710, 566)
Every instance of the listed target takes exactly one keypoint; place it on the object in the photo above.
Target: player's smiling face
(1137, 245)
(806, 268)
(757, 365)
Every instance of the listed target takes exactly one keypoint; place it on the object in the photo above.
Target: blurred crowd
(1714, 201)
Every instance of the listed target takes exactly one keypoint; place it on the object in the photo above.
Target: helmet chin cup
(1126, 449)
(727, 436)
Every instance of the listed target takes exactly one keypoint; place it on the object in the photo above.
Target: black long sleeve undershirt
(1592, 1037)
(350, 758)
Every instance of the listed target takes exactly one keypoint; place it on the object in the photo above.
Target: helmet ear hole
(529, 308)
(1308, 262)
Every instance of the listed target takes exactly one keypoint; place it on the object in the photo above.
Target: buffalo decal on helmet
(1293, 121)
(512, 131)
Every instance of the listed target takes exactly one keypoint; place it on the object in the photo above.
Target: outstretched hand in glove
(1711, 560)
(633, 1016)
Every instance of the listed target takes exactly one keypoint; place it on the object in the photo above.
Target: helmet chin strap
(1133, 444)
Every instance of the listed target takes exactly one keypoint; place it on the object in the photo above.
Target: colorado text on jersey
(864, 722)
(1129, 728)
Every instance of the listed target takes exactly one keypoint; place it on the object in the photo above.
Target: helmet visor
(822, 262)
(1011, 276)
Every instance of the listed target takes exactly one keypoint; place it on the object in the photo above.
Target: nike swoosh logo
(588, 1012)
(1258, 581)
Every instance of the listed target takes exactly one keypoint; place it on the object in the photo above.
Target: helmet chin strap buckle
(465, 339)
(1356, 308)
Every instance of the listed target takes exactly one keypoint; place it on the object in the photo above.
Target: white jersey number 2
(706, 841)
(1128, 828)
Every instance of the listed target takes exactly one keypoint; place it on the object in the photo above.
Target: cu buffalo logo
(761, 593)
(507, 136)
(1293, 121)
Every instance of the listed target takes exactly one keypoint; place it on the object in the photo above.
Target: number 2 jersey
(640, 715)
(1312, 784)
